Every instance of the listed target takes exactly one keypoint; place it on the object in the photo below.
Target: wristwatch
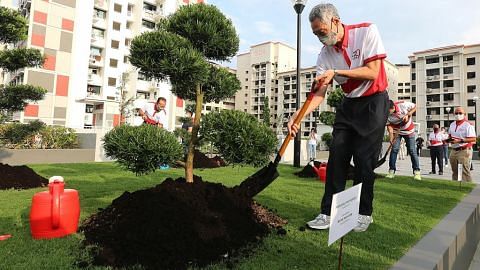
(335, 73)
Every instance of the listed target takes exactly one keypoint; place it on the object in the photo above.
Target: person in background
(419, 142)
(436, 149)
(402, 151)
(400, 120)
(312, 145)
(462, 137)
(445, 146)
(156, 115)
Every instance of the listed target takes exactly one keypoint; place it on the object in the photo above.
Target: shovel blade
(258, 181)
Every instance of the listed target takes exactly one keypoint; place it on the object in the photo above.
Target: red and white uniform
(395, 119)
(461, 130)
(361, 44)
(436, 139)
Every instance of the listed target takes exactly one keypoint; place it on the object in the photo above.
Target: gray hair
(324, 12)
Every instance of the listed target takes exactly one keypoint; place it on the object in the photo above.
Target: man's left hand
(325, 78)
(405, 118)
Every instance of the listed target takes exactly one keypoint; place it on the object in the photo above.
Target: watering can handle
(56, 191)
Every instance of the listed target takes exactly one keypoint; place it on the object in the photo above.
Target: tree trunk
(194, 138)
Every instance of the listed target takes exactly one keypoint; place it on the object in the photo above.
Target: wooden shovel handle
(298, 119)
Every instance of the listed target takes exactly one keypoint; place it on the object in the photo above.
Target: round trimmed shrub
(141, 149)
(239, 137)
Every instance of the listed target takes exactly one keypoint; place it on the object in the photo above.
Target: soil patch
(20, 177)
(200, 160)
(176, 225)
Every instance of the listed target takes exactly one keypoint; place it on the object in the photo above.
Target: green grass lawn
(404, 211)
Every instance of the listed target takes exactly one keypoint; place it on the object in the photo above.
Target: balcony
(102, 4)
(95, 61)
(448, 63)
(94, 79)
(94, 92)
(99, 22)
(448, 89)
(97, 40)
(150, 15)
(433, 103)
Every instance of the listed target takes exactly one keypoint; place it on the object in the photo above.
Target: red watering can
(321, 171)
(55, 212)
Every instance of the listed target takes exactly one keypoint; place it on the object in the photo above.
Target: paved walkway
(404, 167)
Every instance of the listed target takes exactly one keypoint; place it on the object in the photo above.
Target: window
(448, 70)
(433, 85)
(471, 103)
(433, 72)
(115, 44)
(400, 91)
(94, 51)
(407, 90)
(286, 87)
(147, 24)
(400, 84)
(89, 108)
(113, 63)
(447, 58)
(129, 25)
(448, 83)
(112, 82)
(448, 97)
(407, 84)
(98, 13)
(149, 7)
(96, 32)
(471, 61)
(433, 60)
(470, 75)
(246, 86)
(117, 8)
(246, 72)
(414, 76)
(414, 88)
(116, 26)
(471, 116)
(471, 88)
(125, 59)
(127, 42)
(245, 104)
(142, 76)
(412, 64)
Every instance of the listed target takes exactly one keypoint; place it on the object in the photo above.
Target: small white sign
(459, 172)
(344, 213)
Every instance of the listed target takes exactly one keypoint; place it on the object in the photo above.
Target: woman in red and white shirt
(435, 141)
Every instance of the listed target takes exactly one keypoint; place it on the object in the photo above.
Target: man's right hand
(292, 128)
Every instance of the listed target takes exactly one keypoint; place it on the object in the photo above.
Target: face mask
(328, 40)
(459, 117)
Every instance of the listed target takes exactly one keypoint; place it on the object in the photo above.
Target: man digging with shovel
(353, 56)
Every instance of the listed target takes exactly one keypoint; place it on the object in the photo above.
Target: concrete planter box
(46, 156)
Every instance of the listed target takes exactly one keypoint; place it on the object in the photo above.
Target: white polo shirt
(395, 119)
(436, 139)
(361, 44)
(157, 116)
(462, 130)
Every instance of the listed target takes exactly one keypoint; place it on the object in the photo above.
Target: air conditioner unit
(437, 77)
(445, 76)
(429, 78)
(429, 90)
(429, 103)
(445, 103)
(429, 117)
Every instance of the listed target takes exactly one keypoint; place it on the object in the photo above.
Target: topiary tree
(182, 50)
(245, 141)
(14, 28)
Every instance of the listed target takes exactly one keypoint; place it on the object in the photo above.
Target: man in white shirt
(435, 141)
(400, 119)
(353, 56)
(462, 137)
(156, 114)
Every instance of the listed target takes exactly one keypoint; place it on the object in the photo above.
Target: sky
(406, 26)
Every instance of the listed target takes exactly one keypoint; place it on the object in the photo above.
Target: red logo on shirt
(356, 54)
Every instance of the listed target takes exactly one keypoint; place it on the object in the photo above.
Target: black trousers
(436, 153)
(358, 131)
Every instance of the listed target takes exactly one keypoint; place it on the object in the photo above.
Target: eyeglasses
(457, 113)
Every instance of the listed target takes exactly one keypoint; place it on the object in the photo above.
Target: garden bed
(385, 242)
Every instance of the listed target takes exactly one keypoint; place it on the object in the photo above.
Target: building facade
(442, 79)
(86, 45)
(404, 91)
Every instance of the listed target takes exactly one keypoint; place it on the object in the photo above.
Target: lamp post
(475, 98)
(298, 5)
(448, 116)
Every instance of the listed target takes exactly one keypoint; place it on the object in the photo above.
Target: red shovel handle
(5, 237)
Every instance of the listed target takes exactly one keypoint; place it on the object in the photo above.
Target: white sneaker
(321, 222)
(446, 165)
(363, 223)
(391, 174)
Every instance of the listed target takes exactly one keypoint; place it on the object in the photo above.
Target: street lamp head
(475, 97)
(299, 5)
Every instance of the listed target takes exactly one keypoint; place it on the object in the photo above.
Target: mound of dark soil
(176, 225)
(200, 160)
(19, 177)
(308, 171)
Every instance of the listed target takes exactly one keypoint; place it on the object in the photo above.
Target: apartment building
(404, 91)
(86, 44)
(442, 79)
